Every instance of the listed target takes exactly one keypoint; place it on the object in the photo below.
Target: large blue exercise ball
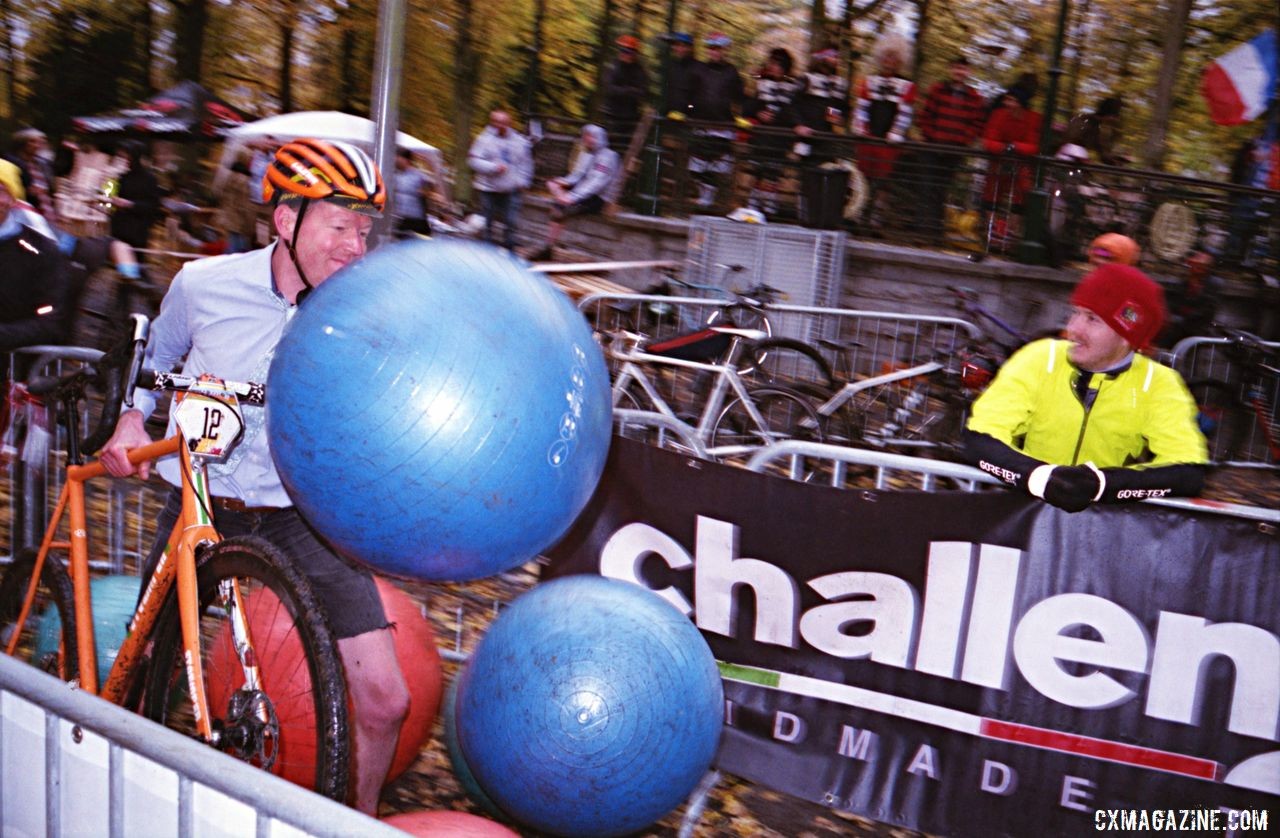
(114, 600)
(590, 707)
(438, 411)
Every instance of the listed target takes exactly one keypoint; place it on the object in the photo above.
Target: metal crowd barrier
(1201, 358)
(32, 463)
(933, 475)
(73, 764)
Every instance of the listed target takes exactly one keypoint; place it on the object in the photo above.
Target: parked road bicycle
(729, 418)
(206, 652)
(1238, 410)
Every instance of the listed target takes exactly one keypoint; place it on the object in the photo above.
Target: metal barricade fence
(35, 455)
(1207, 359)
(71, 764)
(932, 475)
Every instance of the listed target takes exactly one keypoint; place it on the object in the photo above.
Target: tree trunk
(192, 19)
(922, 38)
(1081, 44)
(286, 67)
(144, 26)
(346, 72)
(601, 59)
(466, 63)
(1175, 33)
(10, 60)
(817, 25)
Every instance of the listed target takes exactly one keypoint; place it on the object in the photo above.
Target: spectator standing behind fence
(626, 88)
(771, 107)
(822, 106)
(884, 108)
(503, 162)
(1089, 419)
(683, 77)
(33, 277)
(411, 196)
(952, 114)
(136, 205)
(583, 190)
(1013, 132)
(235, 207)
(30, 152)
(718, 98)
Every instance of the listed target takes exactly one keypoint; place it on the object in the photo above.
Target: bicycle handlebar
(247, 392)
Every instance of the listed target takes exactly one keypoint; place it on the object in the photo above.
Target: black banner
(964, 663)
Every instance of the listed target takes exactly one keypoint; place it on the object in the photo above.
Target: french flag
(1239, 85)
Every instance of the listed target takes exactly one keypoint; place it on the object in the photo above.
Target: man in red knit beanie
(1089, 418)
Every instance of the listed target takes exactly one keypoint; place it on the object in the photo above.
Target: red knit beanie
(1128, 301)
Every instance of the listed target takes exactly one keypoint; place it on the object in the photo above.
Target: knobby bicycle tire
(788, 362)
(302, 677)
(1222, 419)
(53, 592)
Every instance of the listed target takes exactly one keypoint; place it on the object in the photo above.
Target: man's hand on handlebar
(130, 433)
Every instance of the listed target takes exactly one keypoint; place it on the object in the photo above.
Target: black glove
(1071, 488)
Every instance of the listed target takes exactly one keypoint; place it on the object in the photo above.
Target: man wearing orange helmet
(1090, 419)
(225, 315)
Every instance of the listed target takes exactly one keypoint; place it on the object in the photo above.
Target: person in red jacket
(1013, 131)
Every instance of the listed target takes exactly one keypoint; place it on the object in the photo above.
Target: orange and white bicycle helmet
(325, 170)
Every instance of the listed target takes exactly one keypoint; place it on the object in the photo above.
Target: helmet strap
(291, 248)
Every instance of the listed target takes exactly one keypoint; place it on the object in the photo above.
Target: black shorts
(346, 591)
(590, 205)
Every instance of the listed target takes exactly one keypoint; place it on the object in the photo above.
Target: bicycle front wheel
(37, 643)
(295, 724)
(786, 414)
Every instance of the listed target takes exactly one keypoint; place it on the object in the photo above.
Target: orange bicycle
(206, 651)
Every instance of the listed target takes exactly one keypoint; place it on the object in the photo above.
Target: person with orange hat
(1113, 248)
(1089, 418)
(626, 87)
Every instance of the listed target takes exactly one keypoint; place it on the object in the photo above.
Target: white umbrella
(324, 125)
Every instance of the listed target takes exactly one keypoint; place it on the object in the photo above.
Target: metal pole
(388, 60)
(1033, 249)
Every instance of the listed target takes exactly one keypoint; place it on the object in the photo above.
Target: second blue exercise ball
(591, 707)
(438, 411)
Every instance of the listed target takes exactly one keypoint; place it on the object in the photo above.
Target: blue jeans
(503, 207)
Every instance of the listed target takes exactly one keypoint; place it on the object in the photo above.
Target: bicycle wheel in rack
(296, 725)
(787, 414)
(787, 362)
(53, 596)
(1222, 419)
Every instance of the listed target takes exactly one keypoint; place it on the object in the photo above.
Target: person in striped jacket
(953, 114)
